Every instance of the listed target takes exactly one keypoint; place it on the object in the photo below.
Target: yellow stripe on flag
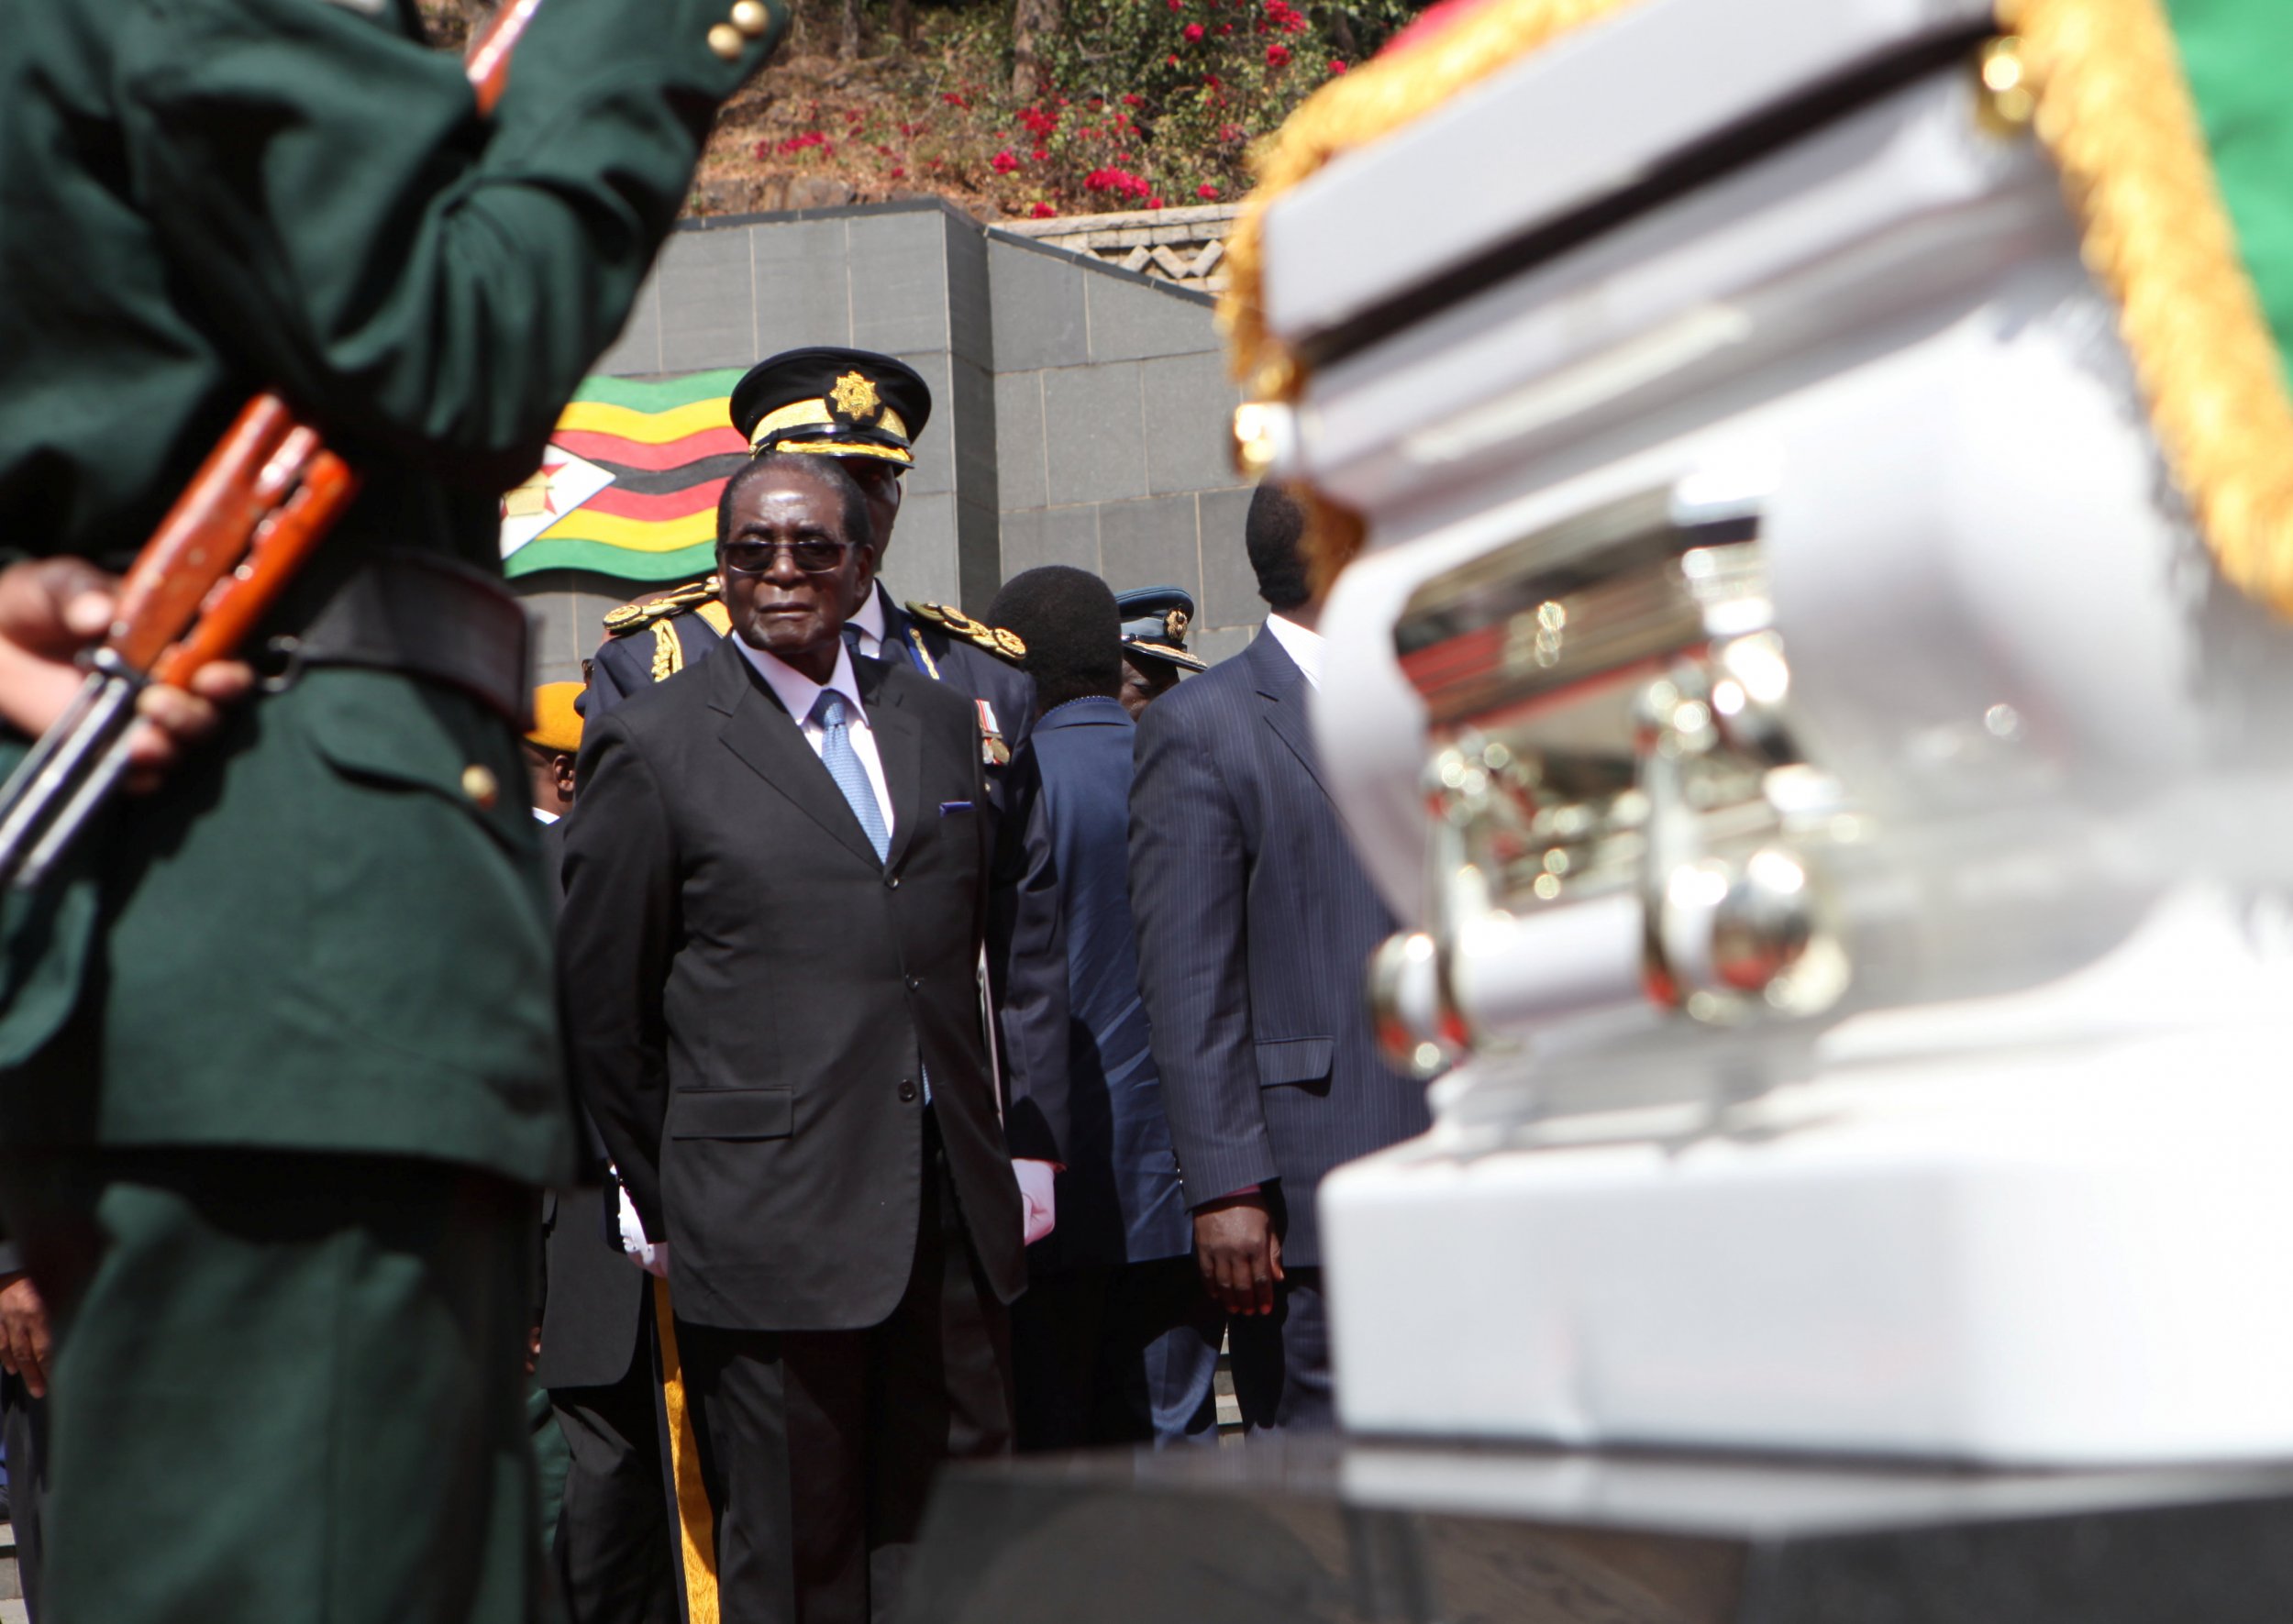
(636, 535)
(651, 428)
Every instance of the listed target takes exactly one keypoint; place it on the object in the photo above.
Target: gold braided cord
(1364, 105)
(2116, 113)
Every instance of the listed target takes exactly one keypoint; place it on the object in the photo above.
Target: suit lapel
(1283, 688)
(900, 747)
(768, 740)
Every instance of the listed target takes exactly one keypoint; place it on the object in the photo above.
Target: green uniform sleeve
(437, 283)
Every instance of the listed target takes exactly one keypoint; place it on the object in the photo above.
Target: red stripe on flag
(626, 453)
(625, 503)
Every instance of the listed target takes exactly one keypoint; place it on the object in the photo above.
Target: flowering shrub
(1139, 102)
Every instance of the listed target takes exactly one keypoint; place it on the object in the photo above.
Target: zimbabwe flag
(629, 483)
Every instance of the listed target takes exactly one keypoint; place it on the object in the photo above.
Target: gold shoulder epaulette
(1003, 644)
(641, 612)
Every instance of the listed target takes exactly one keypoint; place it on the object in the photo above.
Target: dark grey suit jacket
(752, 997)
(1256, 924)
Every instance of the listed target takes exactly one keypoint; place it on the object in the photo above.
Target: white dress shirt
(799, 693)
(1301, 644)
(869, 622)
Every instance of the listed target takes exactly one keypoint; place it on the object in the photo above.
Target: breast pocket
(732, 1113)
(1295, 1060)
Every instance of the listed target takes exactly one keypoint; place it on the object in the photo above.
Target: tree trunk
(903, 21)
(848, 41)
(1032, 23)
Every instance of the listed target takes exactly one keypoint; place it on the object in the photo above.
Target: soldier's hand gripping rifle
(265, 496)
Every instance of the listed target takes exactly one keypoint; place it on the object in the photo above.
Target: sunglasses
(812, 556)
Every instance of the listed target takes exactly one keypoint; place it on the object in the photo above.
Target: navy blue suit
(1115, 1341)
(1256, 923)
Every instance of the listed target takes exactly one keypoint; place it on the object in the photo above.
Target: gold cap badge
(855, 397)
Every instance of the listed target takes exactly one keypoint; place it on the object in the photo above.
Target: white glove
(652, 1256)
(1038, 1209)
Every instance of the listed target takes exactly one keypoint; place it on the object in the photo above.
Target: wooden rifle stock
(262, 499)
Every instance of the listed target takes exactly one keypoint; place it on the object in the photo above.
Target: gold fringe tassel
(2116, 114)
(696, 1522)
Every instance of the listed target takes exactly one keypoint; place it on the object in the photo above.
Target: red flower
(1040, 154)
(953, 99)
(1194, 32)
(1130, 101)
(1207, 192)
(1042, 211)
(1174, 61)
(1337, 65)
(1229, 132)
(1210, 80)
(1225, 27)
(1003, 164)
(852, 115)
(898, 174)
(1154, 202)
(1276, 55)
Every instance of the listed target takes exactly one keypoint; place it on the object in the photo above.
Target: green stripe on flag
(2238, 58)
(685, 563)
(660, 394)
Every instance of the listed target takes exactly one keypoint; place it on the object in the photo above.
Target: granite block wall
(1080, 411)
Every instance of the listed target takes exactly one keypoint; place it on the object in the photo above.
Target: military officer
(1155, 619)
(865, 410)
(279, 1041)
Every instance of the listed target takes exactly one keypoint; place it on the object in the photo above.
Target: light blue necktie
(843, 765)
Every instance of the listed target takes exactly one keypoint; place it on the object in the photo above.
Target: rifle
(265, 496)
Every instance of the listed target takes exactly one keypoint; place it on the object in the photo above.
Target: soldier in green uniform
(281, 1064)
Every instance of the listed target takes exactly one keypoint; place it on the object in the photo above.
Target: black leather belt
(426, 616)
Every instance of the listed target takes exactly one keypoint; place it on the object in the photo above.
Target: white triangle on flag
(560, 484)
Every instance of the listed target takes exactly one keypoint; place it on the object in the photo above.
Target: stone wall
(1080, 411)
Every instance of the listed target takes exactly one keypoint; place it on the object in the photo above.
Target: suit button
(892, 880)
(915, 982)
(907, 1091)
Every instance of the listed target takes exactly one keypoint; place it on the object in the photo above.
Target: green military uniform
(280, 1047)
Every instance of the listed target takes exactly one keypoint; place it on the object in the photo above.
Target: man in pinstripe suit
(1255, 923)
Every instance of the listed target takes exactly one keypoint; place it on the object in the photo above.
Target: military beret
(1155, 619)
(556, 722)
(838, 403)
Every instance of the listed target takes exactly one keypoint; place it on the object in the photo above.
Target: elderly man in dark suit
(776, 890)
(1255, 923)
(1115, 1341)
